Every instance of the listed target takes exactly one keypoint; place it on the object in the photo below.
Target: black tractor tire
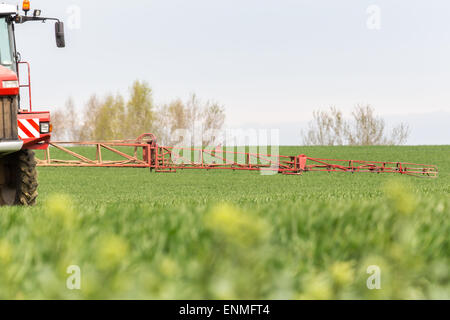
(18, 179)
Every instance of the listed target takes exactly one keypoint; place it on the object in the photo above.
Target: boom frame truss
(148, 154)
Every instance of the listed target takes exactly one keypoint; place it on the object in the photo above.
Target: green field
(233, 235)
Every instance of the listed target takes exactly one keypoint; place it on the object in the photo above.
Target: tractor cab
(7, 46)
(22, 129)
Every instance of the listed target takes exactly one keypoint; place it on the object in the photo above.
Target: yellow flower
(169, 268)
(5, 252)
(402, 200)
(59, 208)
(342, 273)
(237, 227)
(111, 251)
(317, 288)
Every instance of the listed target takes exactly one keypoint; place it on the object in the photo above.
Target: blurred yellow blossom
(317, 288)
(238, 227)
(59, 208)
(342, 273)
(169, 267)
(5, 252)
(111, 251)
(401, 199)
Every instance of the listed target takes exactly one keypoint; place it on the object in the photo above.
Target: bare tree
(170, 118)
(400, 134)
(66, 123)
(91, 110)
(58, 121)
(366, 129)
(193, 118)
(329, 128)
(213, 119)
(198, 118)
(72, 121)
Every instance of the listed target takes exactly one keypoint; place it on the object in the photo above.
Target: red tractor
(22, 130)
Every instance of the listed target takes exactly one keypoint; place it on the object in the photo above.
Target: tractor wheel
(18, 179)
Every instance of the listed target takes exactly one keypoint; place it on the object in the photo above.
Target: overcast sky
(266, 61)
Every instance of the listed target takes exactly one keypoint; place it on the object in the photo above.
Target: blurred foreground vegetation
(225, 235)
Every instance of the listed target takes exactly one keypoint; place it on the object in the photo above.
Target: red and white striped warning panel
(29, 128)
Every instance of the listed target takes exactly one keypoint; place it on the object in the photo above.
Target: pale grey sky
(268, 62)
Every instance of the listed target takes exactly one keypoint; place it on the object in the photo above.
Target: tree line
(114, 117)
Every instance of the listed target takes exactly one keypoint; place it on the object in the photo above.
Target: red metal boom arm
(171, 159)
